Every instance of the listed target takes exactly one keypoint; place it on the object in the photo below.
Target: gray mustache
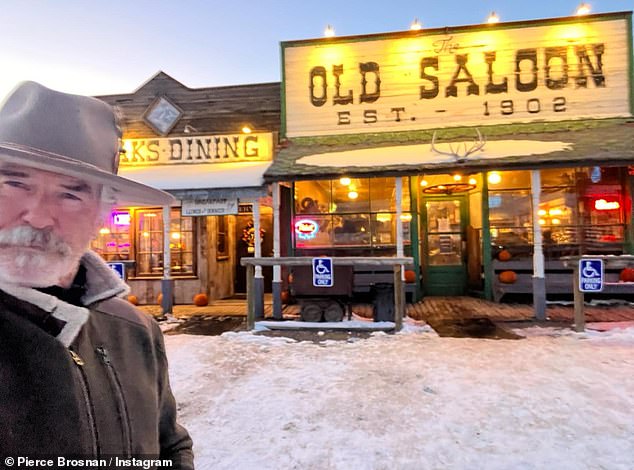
(34, 238)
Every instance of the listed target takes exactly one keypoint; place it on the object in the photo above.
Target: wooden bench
(558, 279)
(366, 277)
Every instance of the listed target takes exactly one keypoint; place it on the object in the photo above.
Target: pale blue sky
(101, 46)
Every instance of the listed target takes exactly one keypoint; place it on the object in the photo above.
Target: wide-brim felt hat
(73, 135)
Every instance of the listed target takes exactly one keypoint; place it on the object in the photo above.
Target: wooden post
(539, 279)
(167, 283)
(250, 297)
(277, 269)
(399, 297)
(413, 232)
(258, 282)
(580, 319)
(487, 263)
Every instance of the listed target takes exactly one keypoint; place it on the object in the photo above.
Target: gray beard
(35, 268)
(36, 238)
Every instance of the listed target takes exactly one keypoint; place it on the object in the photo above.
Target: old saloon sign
(560, 69)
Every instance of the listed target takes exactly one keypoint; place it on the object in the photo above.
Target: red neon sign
(603, 205)
(306, 229)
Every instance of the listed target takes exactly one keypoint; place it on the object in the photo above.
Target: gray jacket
(98, 389)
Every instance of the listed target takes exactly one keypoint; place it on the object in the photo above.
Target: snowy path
(408, 401)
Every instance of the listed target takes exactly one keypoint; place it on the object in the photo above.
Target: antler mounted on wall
(478, 143)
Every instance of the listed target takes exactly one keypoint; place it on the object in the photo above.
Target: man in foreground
(83, 373)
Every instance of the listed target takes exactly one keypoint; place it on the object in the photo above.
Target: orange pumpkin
(133, 299)
(159, 298)
(200, 300)
(504, 255)
(627, 275)
(410, 276)
(507, 277)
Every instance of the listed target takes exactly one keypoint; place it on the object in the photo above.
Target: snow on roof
(199, 176)
(423, 153)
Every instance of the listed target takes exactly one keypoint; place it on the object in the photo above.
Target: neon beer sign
(306, 229)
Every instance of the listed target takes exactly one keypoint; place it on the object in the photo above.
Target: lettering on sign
(200, 149)
(546, 72)
(204, 207)
(590, 275)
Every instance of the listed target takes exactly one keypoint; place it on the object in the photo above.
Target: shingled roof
(600, 142)
(213, 110)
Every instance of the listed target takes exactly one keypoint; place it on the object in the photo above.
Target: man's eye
(71, 197)
(15, 184)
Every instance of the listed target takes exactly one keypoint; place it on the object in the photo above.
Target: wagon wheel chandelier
(448, 188)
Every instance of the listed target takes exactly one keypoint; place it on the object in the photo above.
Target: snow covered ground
(555, 400)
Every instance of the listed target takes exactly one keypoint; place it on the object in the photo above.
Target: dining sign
(479, 75)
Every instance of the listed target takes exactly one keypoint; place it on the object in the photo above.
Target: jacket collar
(101, 284)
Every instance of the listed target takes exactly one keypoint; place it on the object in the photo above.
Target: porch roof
(512, 146)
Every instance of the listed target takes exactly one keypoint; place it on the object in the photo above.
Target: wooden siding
(207, 110)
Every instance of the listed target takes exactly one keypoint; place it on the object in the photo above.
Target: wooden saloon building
(209, 147)
(486, 153)
(511, 145)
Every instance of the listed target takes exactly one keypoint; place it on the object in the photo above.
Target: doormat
(481, 327)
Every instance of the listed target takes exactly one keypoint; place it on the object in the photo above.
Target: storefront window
(113, 239)
(312, 197)
(145, 228)
(349, 213)
(580, 211)
(510, 219)
(222, 250)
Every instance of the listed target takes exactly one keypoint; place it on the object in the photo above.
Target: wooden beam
(399, 297)
(250, 297)
(340, 261)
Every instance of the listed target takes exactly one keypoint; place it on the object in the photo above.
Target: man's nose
(39, 212)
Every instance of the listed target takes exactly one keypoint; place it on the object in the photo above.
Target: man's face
(46, 223)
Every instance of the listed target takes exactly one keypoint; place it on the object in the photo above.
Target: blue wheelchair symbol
(322, 272)
(591, 275)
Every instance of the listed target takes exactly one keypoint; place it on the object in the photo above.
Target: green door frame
(446, 272)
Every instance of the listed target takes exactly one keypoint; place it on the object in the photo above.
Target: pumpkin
(159, 298)
(133, 299)
(200, 300)
(507, 277)
(504, 255)
(285, 296)
(410, 276)
(627, 275)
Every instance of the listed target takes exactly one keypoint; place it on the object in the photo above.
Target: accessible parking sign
(590, 275)
(323, 275)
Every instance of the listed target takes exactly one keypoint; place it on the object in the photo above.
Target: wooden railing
(396, 263)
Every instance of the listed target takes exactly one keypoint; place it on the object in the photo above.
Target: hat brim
(127, 191)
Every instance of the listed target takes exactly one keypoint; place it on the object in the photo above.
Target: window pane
(113, 239)
(383, 229)
(445, 250)
(150, 238)
(312, 197)
(509, 180)
(443, 216)
(313, 231)
(352, 229)
(351, 197)
(510, 209)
